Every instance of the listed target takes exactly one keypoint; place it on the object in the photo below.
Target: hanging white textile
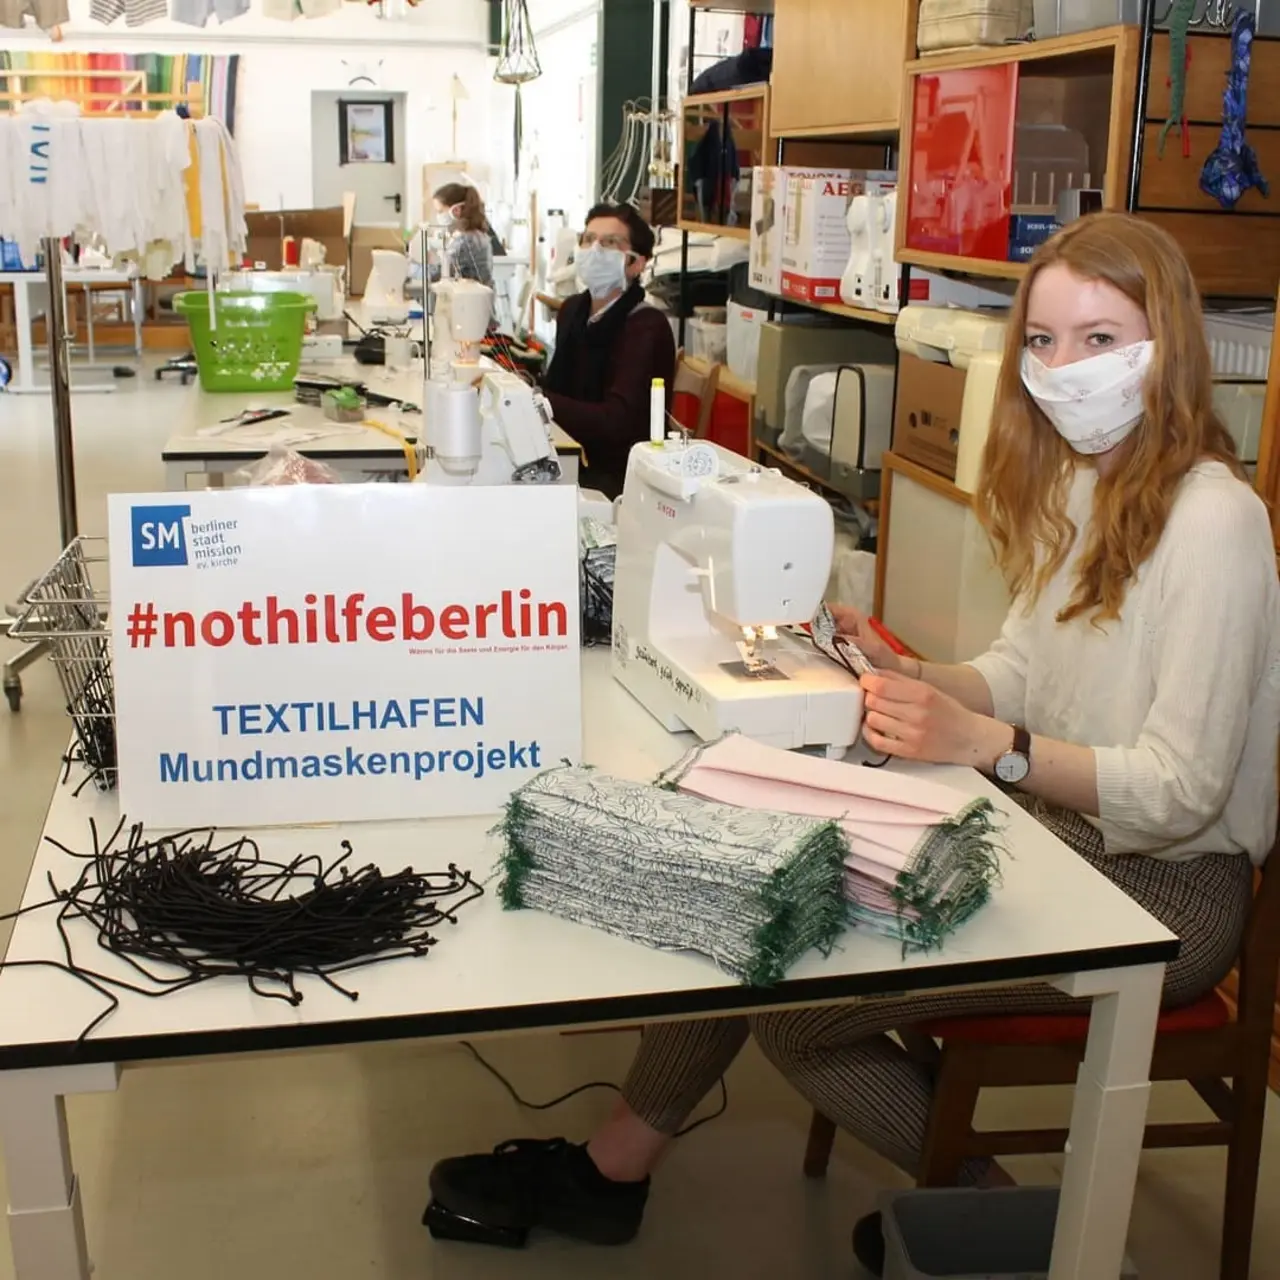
(158, 191)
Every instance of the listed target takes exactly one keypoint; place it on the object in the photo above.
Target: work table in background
(357, 453)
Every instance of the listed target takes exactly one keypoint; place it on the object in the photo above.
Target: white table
(356, 453)
(30, 289)
(1053, 919)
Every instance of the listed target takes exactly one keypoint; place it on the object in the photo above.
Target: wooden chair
(1203, 1044)
(700, 380)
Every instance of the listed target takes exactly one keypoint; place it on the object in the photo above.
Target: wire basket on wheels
(250, 342)
(64, 610)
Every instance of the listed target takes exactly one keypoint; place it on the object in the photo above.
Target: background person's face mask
(1093, 404)
(601, 271)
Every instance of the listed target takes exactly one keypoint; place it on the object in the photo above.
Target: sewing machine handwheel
(700, 460)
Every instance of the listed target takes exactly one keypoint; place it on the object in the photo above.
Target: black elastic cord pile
(208, 910)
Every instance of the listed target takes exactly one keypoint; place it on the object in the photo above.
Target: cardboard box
(768, 219)
(268, 228)
(364, 240)
(816, 242)
(926, 420)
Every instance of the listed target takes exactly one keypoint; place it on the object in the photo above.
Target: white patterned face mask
(1096, 403)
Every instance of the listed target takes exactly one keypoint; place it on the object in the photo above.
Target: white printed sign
(342, 653)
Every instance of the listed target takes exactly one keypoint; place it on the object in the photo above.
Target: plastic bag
(282, 465)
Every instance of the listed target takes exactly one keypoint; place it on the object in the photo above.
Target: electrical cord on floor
(585, 1088)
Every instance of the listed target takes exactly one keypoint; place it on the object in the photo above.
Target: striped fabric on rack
(165, 73)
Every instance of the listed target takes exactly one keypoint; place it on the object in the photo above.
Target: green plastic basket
(257, 342)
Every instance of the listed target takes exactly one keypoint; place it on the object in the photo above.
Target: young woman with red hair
(1133, 699)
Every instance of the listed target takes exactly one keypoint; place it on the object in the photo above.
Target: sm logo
(159, 537)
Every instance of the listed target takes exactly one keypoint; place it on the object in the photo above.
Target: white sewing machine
(498, 435)
(384, 301)
(715, 557)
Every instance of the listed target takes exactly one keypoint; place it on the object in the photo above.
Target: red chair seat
(1206, 1014)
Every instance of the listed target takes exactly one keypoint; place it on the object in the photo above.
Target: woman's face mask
(1094, 404)
(601, 271)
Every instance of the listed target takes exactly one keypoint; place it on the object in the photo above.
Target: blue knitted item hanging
(1232, 167)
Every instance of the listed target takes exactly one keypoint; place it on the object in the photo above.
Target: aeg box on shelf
(816, 241)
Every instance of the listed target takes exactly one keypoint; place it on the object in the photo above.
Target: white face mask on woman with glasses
(601, 264)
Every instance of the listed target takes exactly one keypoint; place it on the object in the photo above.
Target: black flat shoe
(868, 1243)
(499, 1197)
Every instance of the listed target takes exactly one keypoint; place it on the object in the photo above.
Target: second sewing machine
(719, 562)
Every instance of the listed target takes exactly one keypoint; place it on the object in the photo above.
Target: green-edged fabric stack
(751, 890)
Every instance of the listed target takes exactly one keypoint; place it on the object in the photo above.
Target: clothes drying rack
(137, 103)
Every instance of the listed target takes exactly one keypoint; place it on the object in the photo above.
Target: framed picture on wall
(366, 132)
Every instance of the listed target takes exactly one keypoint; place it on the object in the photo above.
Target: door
(358, 145)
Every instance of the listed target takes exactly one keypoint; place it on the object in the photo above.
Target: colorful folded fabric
(922, 856)
(751, 890)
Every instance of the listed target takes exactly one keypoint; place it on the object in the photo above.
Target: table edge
(249, 455)
(648, 1007)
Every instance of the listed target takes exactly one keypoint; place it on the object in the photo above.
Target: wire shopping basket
(67, 612)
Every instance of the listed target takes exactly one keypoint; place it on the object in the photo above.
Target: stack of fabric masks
(752, 890)
(921, 856)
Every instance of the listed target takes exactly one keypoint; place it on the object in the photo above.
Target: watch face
(1012, 767)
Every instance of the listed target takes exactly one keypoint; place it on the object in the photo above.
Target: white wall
(561, 108)
(282, 62)
(273, 113)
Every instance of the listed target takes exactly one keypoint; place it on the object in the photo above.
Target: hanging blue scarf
(1232, 167)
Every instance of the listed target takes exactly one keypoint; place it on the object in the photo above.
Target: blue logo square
(159, 536)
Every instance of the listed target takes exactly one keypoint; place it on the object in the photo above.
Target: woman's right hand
(851, 623)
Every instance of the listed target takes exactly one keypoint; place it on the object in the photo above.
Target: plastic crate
(1240, 343)
(967, 1234)
(256, 342)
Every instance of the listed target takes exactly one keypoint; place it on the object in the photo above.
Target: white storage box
(708, 339)
(743, 340)
(1240, 404)
(958, 24)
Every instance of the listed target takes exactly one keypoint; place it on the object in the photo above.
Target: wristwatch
(1015, 764)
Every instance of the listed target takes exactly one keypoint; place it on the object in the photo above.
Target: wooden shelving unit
(853, 313)
(1108, 55)
(756, 140)
(1101, 38)
(738, 232)
(832, 64)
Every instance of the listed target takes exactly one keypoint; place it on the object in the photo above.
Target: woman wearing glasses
(610, 345)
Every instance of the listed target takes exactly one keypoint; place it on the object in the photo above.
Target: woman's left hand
(909, 718)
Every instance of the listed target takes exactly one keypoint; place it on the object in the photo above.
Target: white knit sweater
(1179, 698)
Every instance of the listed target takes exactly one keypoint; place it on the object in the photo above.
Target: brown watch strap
(1021, 741)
